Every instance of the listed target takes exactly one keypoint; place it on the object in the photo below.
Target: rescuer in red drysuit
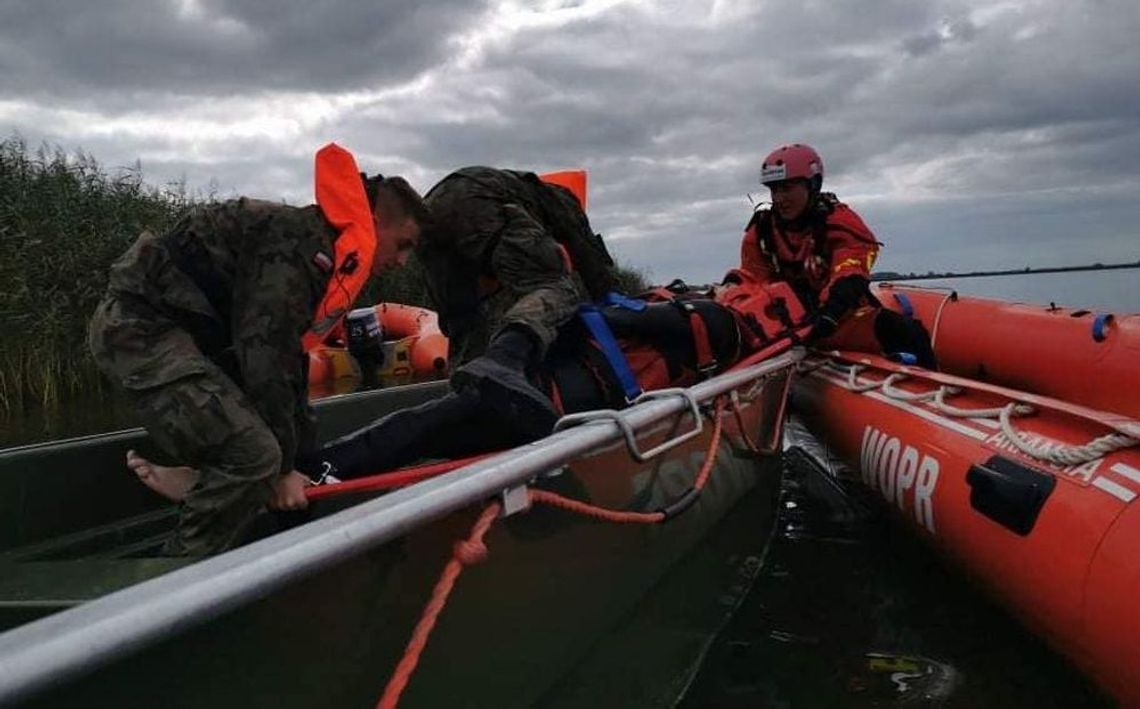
(822, 248)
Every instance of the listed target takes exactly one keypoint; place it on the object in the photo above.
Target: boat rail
(77, 641)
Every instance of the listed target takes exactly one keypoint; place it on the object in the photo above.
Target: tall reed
(63, 220)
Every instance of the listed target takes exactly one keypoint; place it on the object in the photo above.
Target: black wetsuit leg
(898, 333)
(453, 426)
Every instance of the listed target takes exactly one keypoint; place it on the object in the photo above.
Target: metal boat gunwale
(77, 641)
(138, 431)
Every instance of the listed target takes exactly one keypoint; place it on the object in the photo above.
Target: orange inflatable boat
(1035, 495)
(389, 340)
(1082, 356)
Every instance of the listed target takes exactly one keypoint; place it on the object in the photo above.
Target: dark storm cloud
(960, 30)
(967, 133)
(209, 47)
(999, 109)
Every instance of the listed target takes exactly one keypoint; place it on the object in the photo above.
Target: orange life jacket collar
(341, 197)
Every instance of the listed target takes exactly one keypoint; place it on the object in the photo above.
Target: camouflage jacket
(244, 278)
(497, 229)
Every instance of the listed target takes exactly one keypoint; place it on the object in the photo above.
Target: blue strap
(624, 301)
(600, 330)
(903, 358)
(1100, 324)
(907, 306)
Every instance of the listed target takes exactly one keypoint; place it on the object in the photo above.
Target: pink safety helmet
(789, 162)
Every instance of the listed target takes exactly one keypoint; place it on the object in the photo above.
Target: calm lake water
(1116, 291)
(851, 610)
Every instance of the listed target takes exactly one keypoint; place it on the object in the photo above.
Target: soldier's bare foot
(170, 481)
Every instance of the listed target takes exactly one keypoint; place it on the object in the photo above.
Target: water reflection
(851, 610)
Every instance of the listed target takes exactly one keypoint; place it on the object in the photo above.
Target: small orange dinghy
(389, 340)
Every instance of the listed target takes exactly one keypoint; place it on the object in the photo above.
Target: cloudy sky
(968, 134)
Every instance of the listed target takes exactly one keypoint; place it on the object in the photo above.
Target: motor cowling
(364, 335)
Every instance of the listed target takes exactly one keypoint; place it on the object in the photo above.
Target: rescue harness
(687, 337)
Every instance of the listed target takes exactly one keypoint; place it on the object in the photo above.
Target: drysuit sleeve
(851, 249)
(752, 259)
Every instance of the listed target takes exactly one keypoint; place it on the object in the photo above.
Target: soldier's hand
(289, 492)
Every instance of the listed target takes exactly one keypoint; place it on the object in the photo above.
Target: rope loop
(470, 552)
(853, 382)
(1057, 453)
(1062, 454)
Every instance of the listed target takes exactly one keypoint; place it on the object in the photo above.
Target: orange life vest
(341, 197)
(573, 180)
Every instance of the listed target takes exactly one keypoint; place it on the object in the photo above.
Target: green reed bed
(63, 220)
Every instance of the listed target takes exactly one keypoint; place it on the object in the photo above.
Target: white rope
(805, 368)
(853, 380)
(938, 318)
(890, 391)
(1059, 453)
(940, 404)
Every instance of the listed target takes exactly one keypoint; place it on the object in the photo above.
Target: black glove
(845, 295)
(823, 327)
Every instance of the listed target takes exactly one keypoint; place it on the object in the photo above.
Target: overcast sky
(968, 134)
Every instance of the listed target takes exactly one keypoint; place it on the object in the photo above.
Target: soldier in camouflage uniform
(508, 259)
(202, 328)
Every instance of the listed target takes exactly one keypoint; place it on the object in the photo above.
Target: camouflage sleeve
(529, 262)
(276, 287)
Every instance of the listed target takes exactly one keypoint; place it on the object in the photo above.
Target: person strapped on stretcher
(670, 337)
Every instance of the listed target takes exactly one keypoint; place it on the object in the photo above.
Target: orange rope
(472, 551)
(710, 456)
(748, 442)
(601, 513)
(607, 515)
(391, 479)
(467, 552)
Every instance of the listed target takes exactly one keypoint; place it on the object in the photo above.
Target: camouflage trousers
(196, 415)
(541, 312)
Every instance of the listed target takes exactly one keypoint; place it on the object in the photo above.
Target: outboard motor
(365, 335)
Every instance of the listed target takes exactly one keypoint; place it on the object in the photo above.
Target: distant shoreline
(892, 276)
